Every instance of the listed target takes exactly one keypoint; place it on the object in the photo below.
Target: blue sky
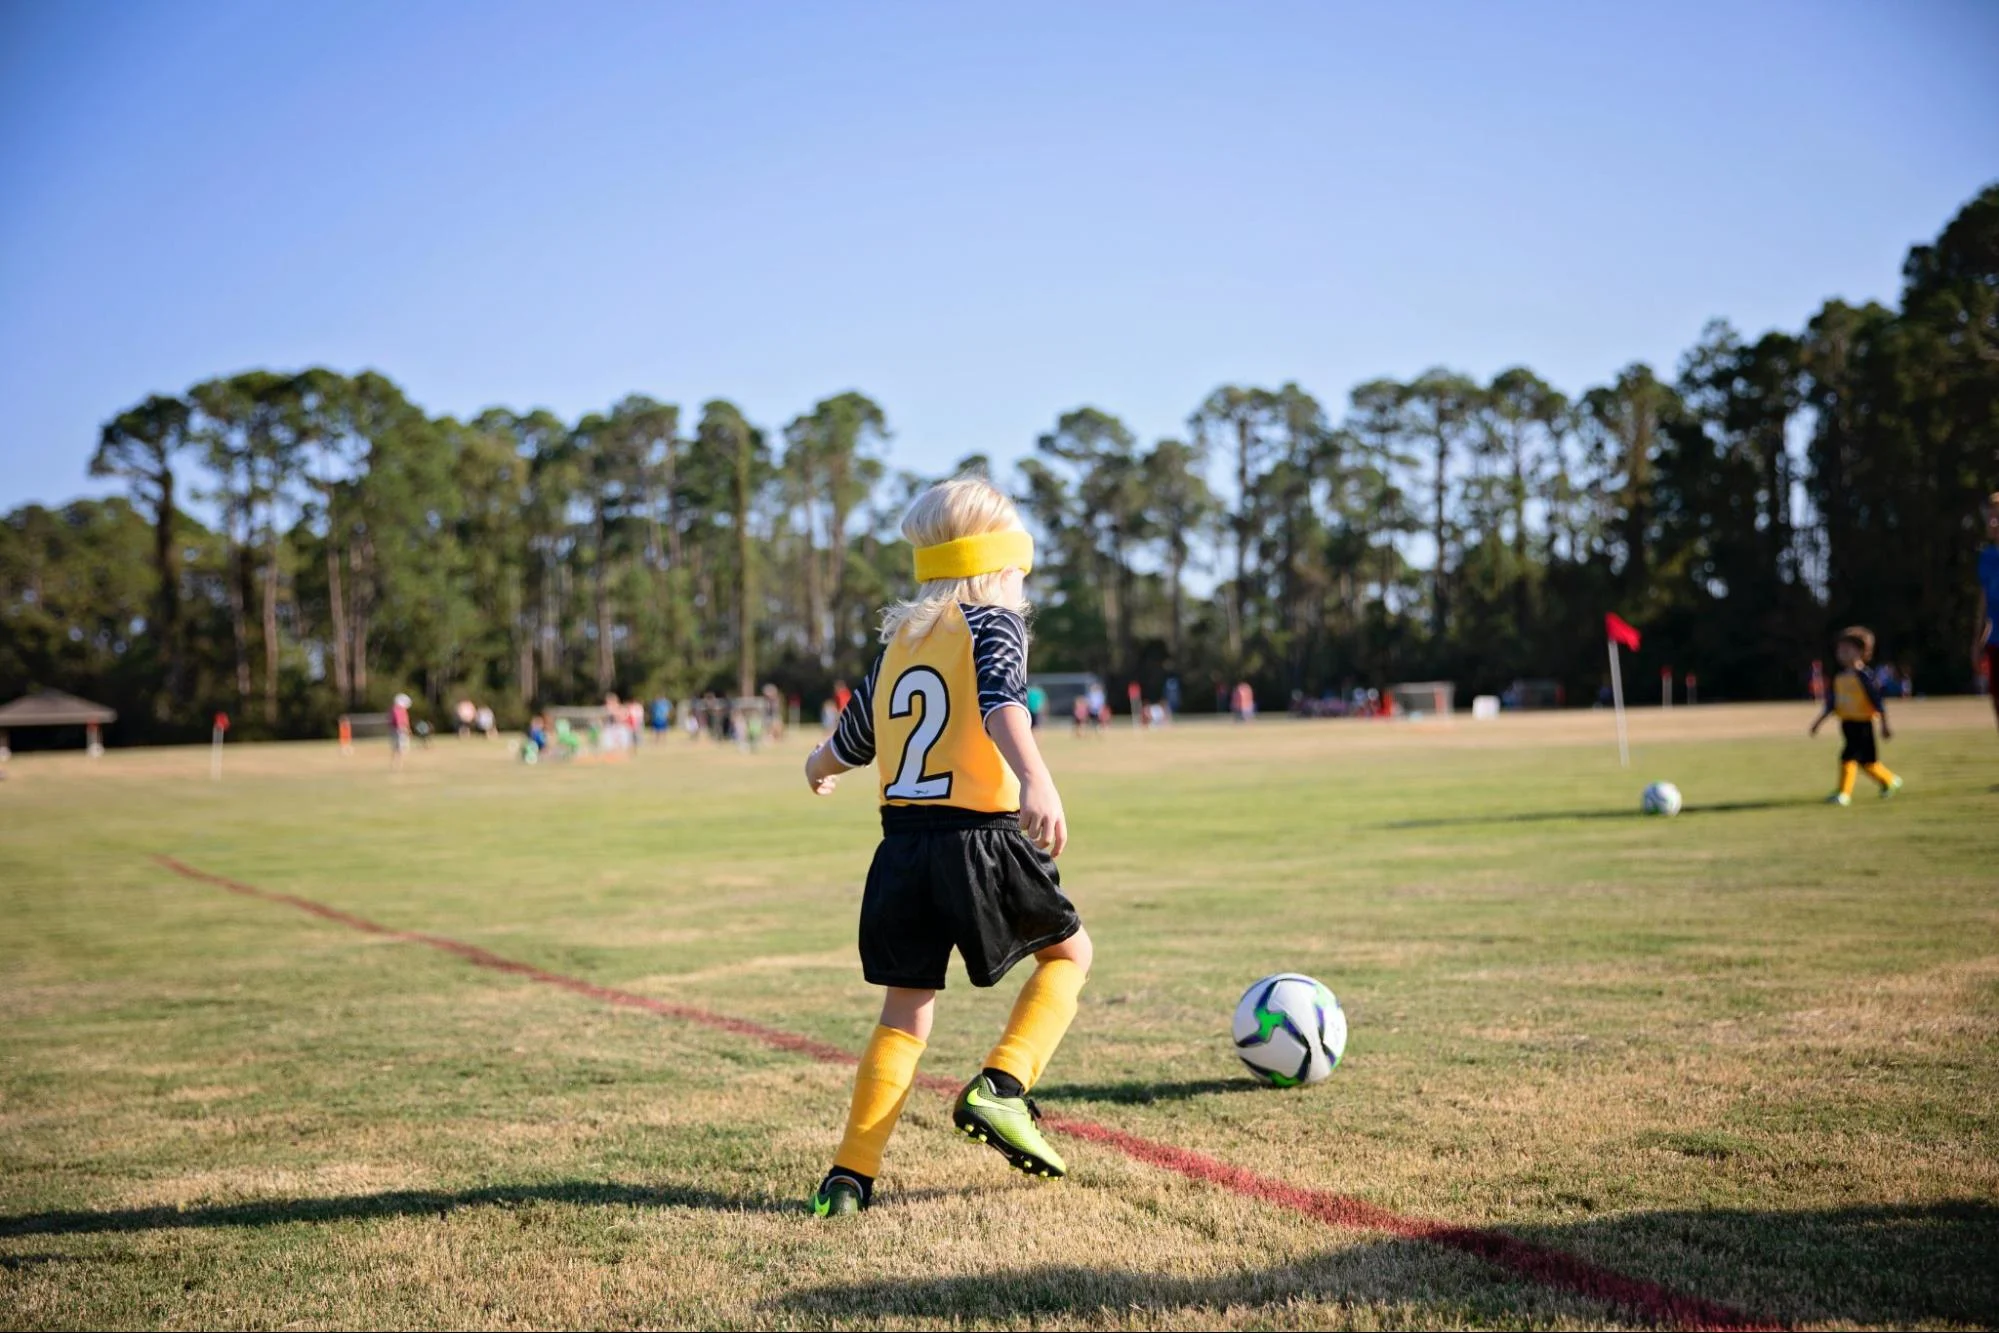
(980, 215)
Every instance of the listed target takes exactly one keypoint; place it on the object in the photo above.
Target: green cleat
(839, 1195)
(1839, 798)
(1006, 1124)
(1894, 785)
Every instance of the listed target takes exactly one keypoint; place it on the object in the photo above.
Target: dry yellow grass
(1749, 1053)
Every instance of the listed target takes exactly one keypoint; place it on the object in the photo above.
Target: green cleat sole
(1020, 1160)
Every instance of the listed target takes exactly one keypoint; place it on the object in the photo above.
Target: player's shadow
(1136, 1092)
(1886, 1264)
(393, 1203)
(1564, 816)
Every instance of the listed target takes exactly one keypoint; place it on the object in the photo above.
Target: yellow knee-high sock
(881, 1086)
(1848, 771)
(1879, 772)
(1042, 1013)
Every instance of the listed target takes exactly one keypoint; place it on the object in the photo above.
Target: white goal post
(1424, 698)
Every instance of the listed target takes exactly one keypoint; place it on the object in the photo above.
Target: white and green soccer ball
(1290, 1030)
(1661, 798)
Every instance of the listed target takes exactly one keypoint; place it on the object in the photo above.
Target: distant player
(1985, 643)
(1856, 698)
(399, 731)
(971, 824)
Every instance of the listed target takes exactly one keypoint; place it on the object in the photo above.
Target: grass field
(1751, 1053)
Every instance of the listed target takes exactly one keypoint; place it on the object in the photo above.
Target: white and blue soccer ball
(1661, 798)
(1290, 1030)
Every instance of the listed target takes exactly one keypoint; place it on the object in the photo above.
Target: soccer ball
(1661, 798)
(1290, 1030)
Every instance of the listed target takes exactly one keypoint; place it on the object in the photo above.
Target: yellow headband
(968, 557)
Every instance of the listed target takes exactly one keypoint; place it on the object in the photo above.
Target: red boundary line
(1536, 1263)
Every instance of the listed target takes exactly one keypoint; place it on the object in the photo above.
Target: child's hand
(1887, 732)
(821, 784)
(1041, 817)
(1817, 722)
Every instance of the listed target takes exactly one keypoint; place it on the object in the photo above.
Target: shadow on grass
(395, 1203)
(1138, 1093)
(1562, 816)
(1893, 1265)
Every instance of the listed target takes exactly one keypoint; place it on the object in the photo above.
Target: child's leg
(882, 1083)
(1848, 771)
(1880, 773)
(1041, 1014)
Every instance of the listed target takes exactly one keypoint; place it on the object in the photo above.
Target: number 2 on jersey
(910, 782)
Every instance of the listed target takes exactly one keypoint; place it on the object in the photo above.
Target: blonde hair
(960, 507)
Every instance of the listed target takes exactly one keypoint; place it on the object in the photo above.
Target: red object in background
(1620, 631)
(222, 721)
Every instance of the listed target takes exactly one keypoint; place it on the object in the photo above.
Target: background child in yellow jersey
(1856, 698)
(971, 824)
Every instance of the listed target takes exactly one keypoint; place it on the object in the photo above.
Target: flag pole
(1617, 698)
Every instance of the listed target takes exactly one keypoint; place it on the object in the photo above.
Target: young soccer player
(971, 824)
(1985, 643)
(1857, 699)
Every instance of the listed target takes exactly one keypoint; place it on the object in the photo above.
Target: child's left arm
(1874, 696)
(1041, 817)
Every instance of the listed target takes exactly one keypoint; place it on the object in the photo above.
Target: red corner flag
(1620, 631)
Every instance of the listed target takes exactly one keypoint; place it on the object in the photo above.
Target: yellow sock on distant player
(1848, 771)
(881, 1087)
(1879, 772)
(1042, 1013)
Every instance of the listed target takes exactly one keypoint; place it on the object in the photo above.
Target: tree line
(349, 545)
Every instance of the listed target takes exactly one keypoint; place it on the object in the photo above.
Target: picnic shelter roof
(52, 708)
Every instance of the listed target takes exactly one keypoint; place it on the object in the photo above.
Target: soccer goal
(1424, 698)
(365, 726)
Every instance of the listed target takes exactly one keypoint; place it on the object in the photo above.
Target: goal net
(366, 726)
(1424, 698)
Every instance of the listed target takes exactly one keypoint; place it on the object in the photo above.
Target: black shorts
(947, 878)
(1859, 743)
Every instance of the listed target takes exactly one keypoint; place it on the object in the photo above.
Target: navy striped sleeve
(853, 741)
(999, 657)
(1872, 684)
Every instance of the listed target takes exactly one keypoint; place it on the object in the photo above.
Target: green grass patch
(1751, 1052)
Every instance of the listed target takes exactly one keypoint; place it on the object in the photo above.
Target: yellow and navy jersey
(920, 715)
(1855, 696)
(1988, 580)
